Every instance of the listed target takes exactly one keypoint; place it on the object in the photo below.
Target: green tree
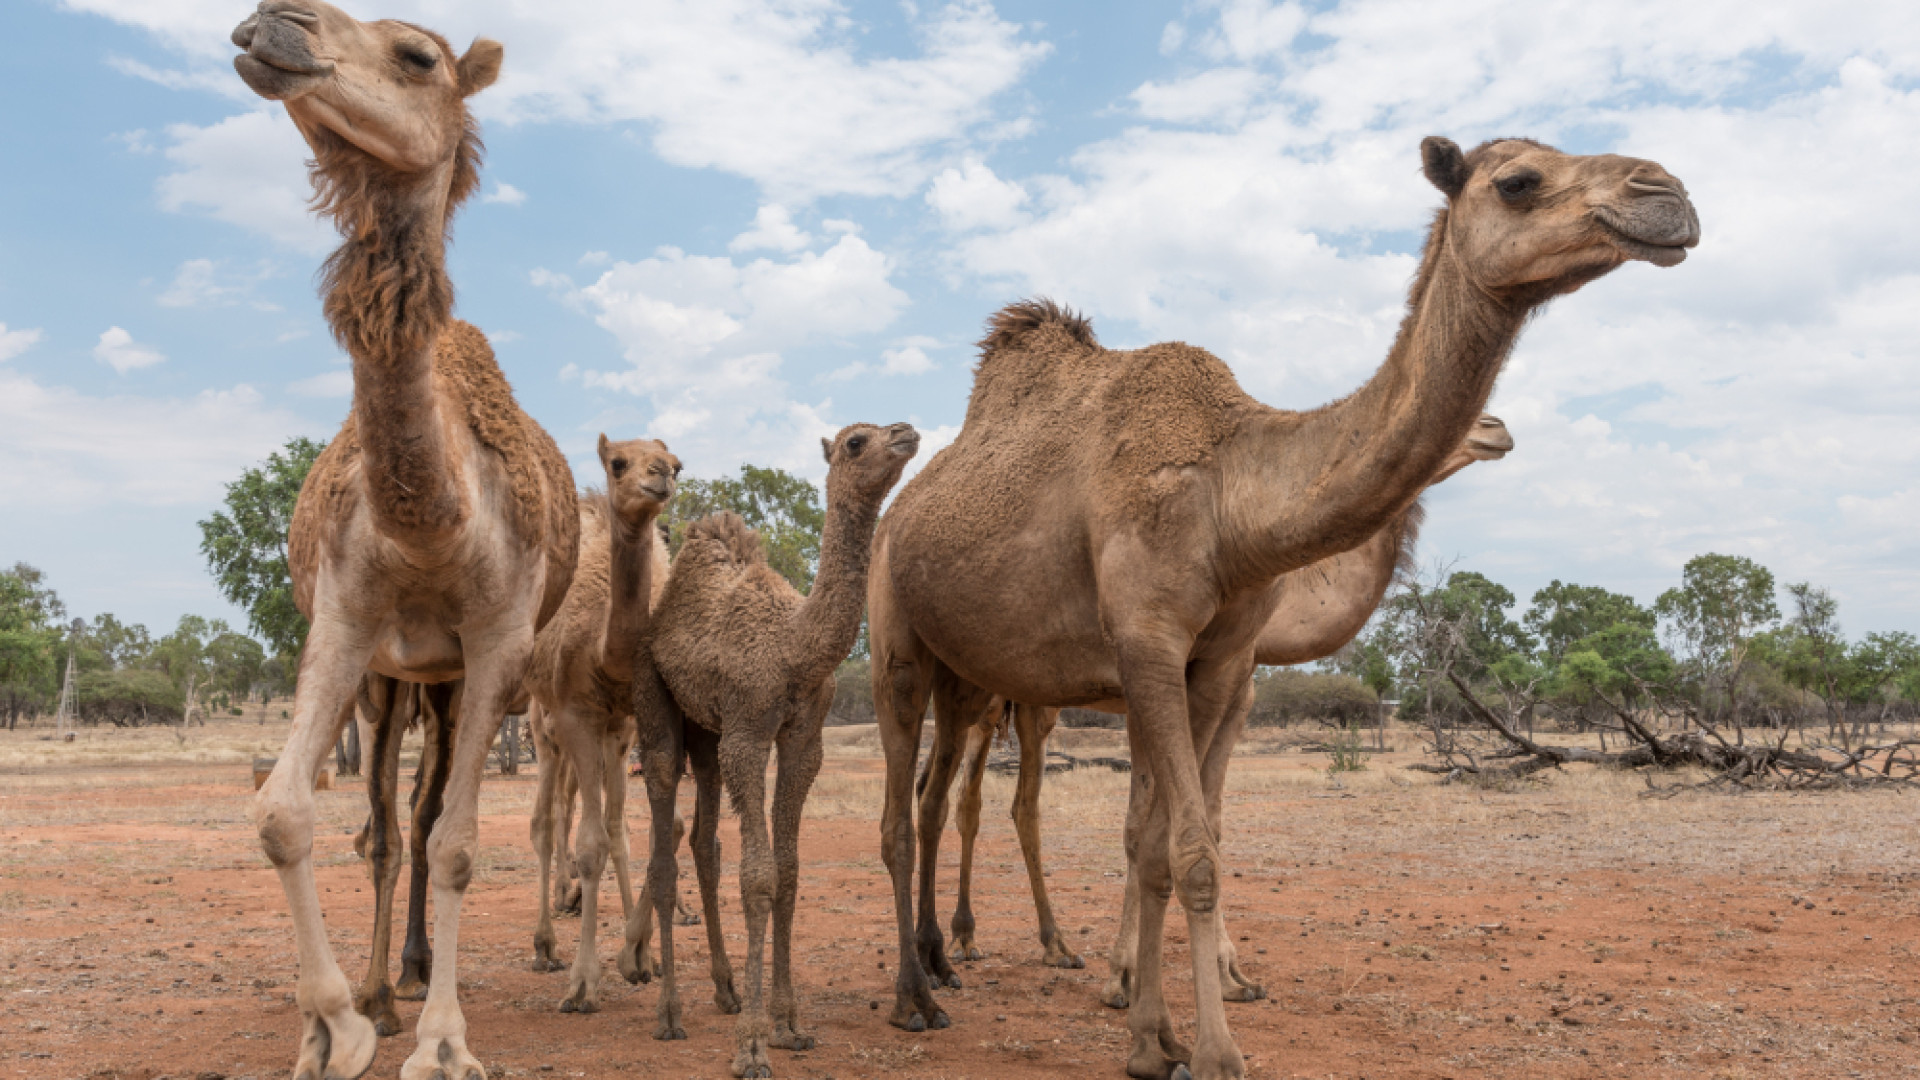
(1613, 664)
(783, 508)
(1563, 614)
(1722, 602)
(246, 544)
(31, 642)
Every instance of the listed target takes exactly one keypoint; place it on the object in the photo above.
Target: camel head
(387, 90)
(1487, 441)
(641, 478)
(1526, 218)
(868, 459)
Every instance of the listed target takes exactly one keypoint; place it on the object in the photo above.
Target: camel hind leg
(800, 752)
(387, 704)
(901, 685)
(956, 705)
(1234, 983)
(581, 735)
(743, 765)
(973, 771)
(541, 832)
(429, 794)
(1034, 725)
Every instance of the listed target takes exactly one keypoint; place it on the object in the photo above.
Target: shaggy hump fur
(544, 507)
(1009, 326)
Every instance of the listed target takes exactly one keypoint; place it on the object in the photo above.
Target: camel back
(1048, 398)
(539, 482)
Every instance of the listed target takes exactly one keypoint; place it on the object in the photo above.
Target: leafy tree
(1887, 666)
(235, 664)
(784, 508)
(108, 644)
(1563, 614)
(1613, 664)
(127, 698)
(246, 545)
(30, 642)
(1722, 602)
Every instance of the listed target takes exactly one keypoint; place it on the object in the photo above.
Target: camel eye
(856, 444)
(420, 60)
(1518, 186)
(619, 466)
(676, 470)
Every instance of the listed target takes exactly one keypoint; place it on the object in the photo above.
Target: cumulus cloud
(118, 350)
(327, 384)
(207, 283)
(15, 342)
(908, 357)
(789, 95)
(970, 196)
(773, 229)
(62, 449)
(505, 195)
(247, 170)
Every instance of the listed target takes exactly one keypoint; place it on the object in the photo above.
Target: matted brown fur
(582, 617)
(1042, 386)
(544, 507)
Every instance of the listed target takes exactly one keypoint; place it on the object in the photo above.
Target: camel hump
(739, 543)
(1011, 326)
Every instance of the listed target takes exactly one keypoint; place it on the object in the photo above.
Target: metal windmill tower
(63, 718)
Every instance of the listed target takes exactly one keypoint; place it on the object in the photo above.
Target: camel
(736, 663)
(1134, 513)
(437, 533)
(1321, 608)
(581, 679)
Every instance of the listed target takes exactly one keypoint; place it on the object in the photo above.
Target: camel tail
(729, 530)
(1407, 563)
(1012, 325)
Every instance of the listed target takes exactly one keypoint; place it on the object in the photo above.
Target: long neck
(1324, 605)
(829, 619)
(629, 597)
(388, 298)
(1306, 486)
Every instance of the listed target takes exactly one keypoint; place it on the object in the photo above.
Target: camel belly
(418, 651)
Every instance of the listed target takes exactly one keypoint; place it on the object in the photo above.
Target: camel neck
(630, 592)
(1327, 480)
(388, 298)
(829, 618)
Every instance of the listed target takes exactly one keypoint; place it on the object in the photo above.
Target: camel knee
(285, 825)
(450, 858)
(1198, 881)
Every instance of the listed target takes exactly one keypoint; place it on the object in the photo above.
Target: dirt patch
(1567, 929)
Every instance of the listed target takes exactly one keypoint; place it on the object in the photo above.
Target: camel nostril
(1641, 185)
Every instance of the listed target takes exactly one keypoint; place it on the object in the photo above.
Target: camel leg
(1034, 725)
(380, 701)
(429, 795)
(541, 832)
(1234, 984)
(973, 771)
(566, 894)
(1124, 960)
(703, 752)
(900, 692)
(743, 765)
(799, 765)
(1156, 1053)
(661, 734)
(951, 718)
(494, 671)
(617, 748)
(335, 1041)
(581, 737)
(683, 912)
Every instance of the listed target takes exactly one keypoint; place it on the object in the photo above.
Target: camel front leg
(566, 885)
(900, 691)
(703, 753)
(973, 771)
(660, 733)
(618, 748)
(951, 719)
(540, 831)
(437, 718)
(380, 701)
(1234, 984)
(335, 1041)
(494, 673)
(743, 765)
(1034, 725)
(799, 765)
(580, 733)
(1124, 961)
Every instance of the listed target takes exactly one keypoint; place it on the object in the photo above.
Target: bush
(852, 694)
(126, 698)
(1284, 696)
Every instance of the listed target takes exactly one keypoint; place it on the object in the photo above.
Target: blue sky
(739, 226)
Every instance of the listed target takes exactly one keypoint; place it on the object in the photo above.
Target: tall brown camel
(736, 663)
(438, 531)
(1321, 608)
(1133, 513)
(582, 679)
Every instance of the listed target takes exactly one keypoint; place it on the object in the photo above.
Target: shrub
(127, 698)
(1288, 695)
(852, 693)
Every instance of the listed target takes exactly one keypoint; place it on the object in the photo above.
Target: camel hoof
(669, 1032)
(916, 1024)
(940, 1020)
(1244, 993)
(1180, 1072)
(725, 999)
(952, 981)
(579, 1004)
(443, 1059)
(412, 986)
(789, 1039)
(686, 917)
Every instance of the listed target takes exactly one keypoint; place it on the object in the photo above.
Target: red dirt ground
(1402, 930)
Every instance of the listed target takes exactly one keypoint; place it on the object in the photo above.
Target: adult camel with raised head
(1133, 513)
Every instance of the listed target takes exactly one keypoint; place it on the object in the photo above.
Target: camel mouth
(659, 495)
(1488, 450)
(1657, 229)
(907, 442)
(278, 62)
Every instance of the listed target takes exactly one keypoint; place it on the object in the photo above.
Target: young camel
(1133, 512)
(741, 663)
(438, 531)
(581, 678)
(1321, 608)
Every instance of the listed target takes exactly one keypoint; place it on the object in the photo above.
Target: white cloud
(327, 384)
(907, 358)
(505, 194)
(247, 170)
(118, 350)
(205, 283)
(788, 95)
(15, 342)
(773, 229)
(705, 336)
(62, 449)
(1221, 95)
(972, 197)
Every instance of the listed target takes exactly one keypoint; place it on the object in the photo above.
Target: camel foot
(787, 1038)
(1158, 1059)
(751, 1061)
(638, 965)
(1235, 986)
(443, 1059)
(1222, 1064)
(377, 1005)
(337, 1047)
(725, 998)
(963, 948)
(568, 903)
(1117, 994)
(1058, 955)
(581, 999)
(544, 959)
(685, 916)
(666, 1025)
(415, 975)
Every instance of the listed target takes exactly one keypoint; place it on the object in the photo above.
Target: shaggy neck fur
(826, 624)
(1323, 482)
(630, 591)
(387, 298)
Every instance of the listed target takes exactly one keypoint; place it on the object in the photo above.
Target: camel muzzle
(278, 62)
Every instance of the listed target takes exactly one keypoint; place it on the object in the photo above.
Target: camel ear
(604, 445)
(826, 450)
(480, 66)
(1444, 164)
